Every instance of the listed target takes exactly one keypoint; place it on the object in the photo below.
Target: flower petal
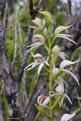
(67, 63)
(67, 38)
(69, 72)
(46, 101)
(36, 45)
(62, 55)
(56, 49)
(67, 98)
(31, 66)
(38, 37)
(67, 117)
(59, 29)
(46, 62)
(55, 71)
(36, 24)
(43, 100)
(47, 14)
(33, 44)
(40, 68)
(36, 55)
(60, 88)
(62, 80)
(67, 35)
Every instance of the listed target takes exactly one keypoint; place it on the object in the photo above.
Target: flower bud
(38, 38)
(35, 24)
(43, 100)
(56, 49)
(55, 71)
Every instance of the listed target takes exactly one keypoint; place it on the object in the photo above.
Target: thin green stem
(50, 94)
(54, 41)
(50, 79)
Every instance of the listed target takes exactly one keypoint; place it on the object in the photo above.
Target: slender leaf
(59, 97)
(37, 116)
(5, 108)
(42, 111)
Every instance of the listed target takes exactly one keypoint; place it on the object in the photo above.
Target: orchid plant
(56, 94)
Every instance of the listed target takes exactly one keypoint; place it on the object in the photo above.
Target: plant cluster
(42, 26)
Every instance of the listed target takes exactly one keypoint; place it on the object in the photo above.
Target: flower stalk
(50, 80)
